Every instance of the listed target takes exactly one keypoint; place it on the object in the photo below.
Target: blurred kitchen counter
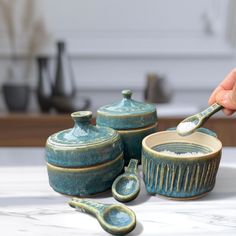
(32, 129)
(28, 206)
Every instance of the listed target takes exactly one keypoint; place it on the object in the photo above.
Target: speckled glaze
(83, 145)
(132, 119)
(115, 219)
(126, 187)
(84, 181)
(177, 177)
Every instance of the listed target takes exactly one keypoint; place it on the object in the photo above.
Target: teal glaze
(127, 114)
(87, 180)
(180, 177)
(84, 144)
(132, 142)
(126, 187)
(115, 219)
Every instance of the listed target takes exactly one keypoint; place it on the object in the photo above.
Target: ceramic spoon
(126, 187)
(190, 124)
(115, 219)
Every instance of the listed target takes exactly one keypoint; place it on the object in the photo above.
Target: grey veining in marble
(28, 206)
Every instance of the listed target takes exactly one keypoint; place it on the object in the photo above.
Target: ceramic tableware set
(89, 159)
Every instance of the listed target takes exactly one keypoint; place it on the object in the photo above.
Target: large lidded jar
(132, 119)
(84, 160)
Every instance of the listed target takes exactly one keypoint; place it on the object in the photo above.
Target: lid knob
(82, 116)
(127, 93)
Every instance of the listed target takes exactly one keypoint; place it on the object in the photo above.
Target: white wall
(114, 44)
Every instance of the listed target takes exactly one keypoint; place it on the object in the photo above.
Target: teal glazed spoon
(115, 219)
(190, 124)
(126, 187)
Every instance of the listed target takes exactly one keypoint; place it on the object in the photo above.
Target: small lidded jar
(85, 159)
(132, 119)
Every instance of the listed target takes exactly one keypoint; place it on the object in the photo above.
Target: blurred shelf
(177, 110)
(32, 130)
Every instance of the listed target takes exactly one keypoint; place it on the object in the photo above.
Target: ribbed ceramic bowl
(84, 181)
(180, 177)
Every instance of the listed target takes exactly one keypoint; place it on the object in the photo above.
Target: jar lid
(127, 114)
(83, 133)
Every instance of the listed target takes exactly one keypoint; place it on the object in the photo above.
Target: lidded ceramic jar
(85, 159)
(132, 119)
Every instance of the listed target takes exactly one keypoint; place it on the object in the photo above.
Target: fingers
(212, 98)
(226, 99)
(229, 81)
(227, 84)
(234, 93)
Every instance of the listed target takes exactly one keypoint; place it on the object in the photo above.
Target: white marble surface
(28, 206)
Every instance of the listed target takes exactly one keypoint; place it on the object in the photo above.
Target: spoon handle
(132, 168)
(215, 107)
(88, 206)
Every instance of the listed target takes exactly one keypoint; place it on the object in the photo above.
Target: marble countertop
(28, 206)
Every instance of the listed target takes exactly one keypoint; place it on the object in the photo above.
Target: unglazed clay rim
(186, 139)
(84, 169)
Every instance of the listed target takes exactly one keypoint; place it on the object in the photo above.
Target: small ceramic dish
(179, 167)
(132, 119)
(84, 181)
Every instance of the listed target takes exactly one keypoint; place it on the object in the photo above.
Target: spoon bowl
(126, 187)
(115, 219)
(117, 216)
(189, 125)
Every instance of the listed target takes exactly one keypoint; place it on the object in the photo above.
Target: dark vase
(157, 90)
(44, 88)
(16, 96)
(64, 79)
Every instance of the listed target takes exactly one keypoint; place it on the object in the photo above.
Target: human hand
(225, 94)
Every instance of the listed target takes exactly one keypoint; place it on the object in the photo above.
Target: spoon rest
(115, 219)
(126, 187)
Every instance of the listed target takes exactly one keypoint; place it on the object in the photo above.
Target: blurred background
(61, 56)
(57, 57)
